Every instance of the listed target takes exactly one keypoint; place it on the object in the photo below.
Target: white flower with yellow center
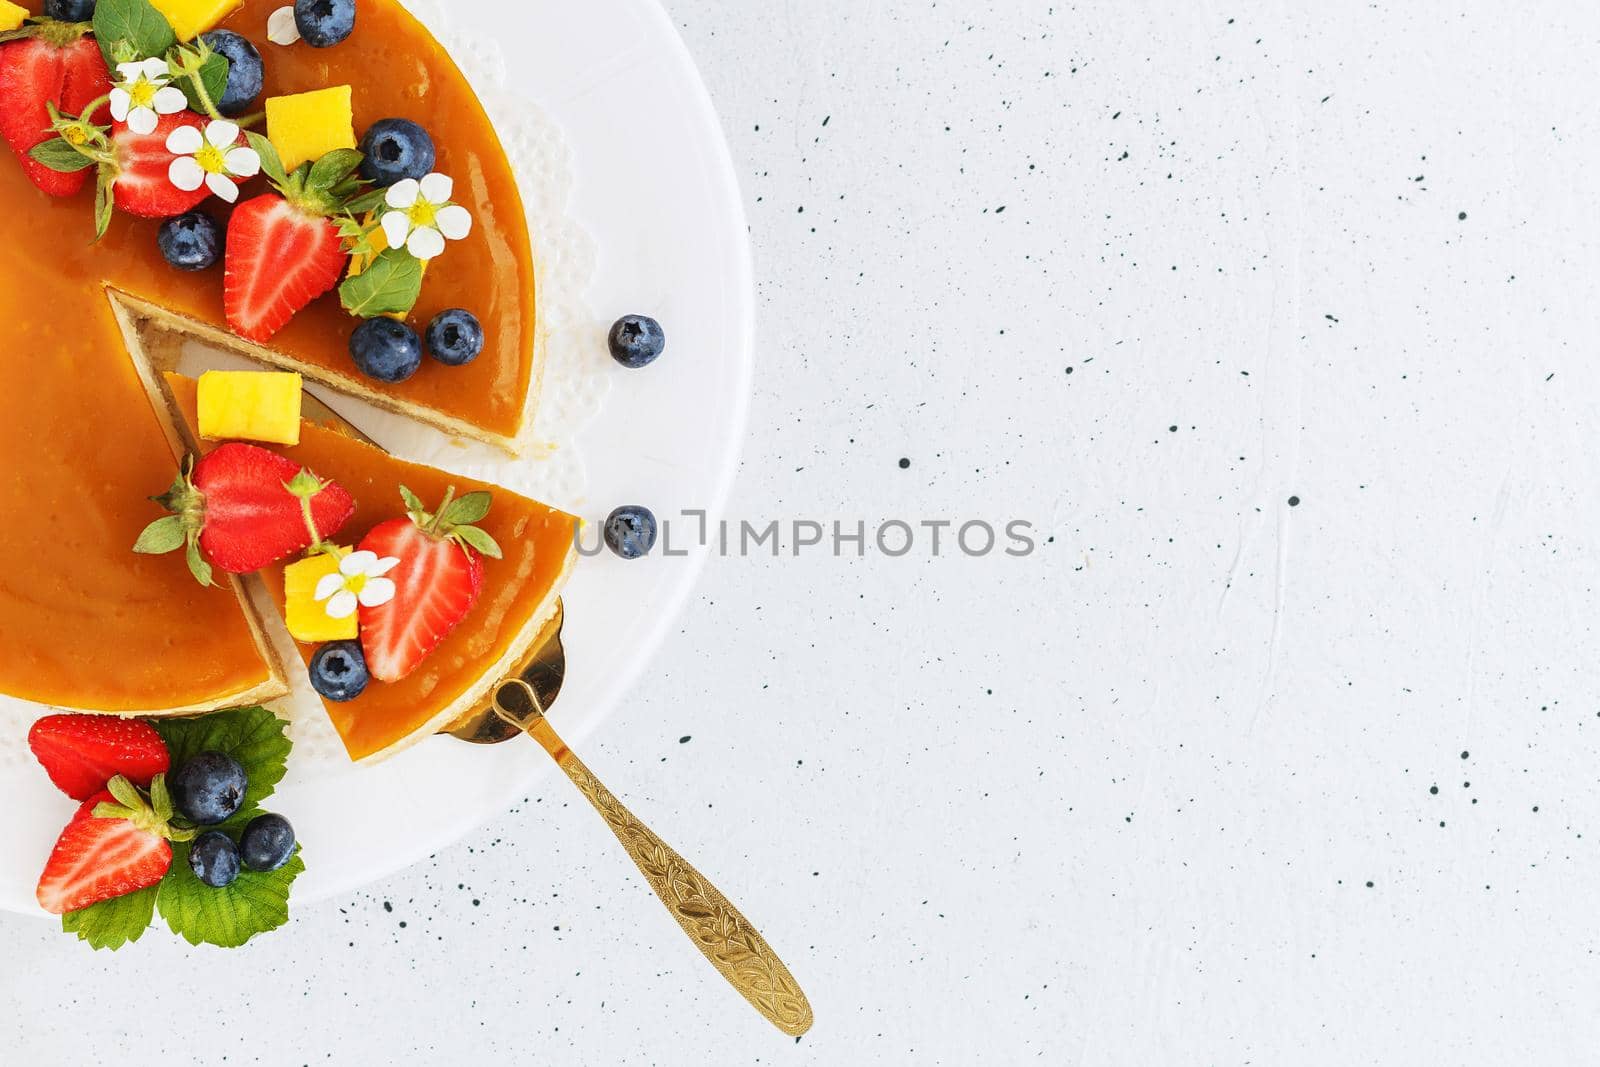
(421, 217)
(359, 583)
(142, 95)
(211, 159)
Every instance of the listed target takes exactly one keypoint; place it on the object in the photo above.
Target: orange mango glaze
(536, 540)
(85, 623)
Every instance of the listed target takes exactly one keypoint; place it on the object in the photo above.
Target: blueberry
(246, 75)
(324, 23)
(339, 671)
(192, 241)
(214, 859)
(455, 337)
(267, 843)
(69, 10)
(631, 531)
(396, 149)
(209, 789)
(636, 341)
(386, 350)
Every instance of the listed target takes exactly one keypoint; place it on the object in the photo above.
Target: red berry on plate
(81, 753)
(35, 73)
(97, 859)
(143, 185)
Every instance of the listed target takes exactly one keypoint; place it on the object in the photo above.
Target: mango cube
(11, 16)
(307, 618)
(380, 244)
(250, 406)
(191, 18)
(307, 126)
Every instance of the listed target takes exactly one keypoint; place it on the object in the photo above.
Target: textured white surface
(1120, 802)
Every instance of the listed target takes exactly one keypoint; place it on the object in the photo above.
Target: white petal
(222, 133)
(242, 163)
(170, 101)
(185, 141)
(455, 222)
(377, 592)
(357, 564)
(219, 184)
(436, 188)
(282, 28)
(329, 585)
(382, 567)
(120, 102)
(343, 605)
(395, 228)
(142, 121)
(403, 193)
(156, 70)
(130, 71)
(425, 242)
(186, 174)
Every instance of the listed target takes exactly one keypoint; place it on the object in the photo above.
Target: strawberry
(437, 581)
(98, 858)
(279, 260)
(245, 508)
(57, 65)
(285, 248)
(140, 182)
(81, 753)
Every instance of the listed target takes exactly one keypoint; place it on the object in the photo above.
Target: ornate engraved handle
(715, 926)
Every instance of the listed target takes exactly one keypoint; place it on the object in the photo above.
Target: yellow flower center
(422, 214)
(355, 584)
(211, 159)
(142, 93)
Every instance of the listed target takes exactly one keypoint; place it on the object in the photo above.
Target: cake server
(718, 929)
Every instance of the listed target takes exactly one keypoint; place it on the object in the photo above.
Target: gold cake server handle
(716, 927)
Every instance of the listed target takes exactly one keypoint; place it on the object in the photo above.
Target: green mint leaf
(468, 509)
(391, 285)
(479, 540)
(131, 29)
(60, 156)
(254, 904)
(252, 737)
(113, 923)
(162, 536)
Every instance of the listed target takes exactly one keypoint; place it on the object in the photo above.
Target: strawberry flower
(142, 95)
(421, 217)
(359, 583)
(211, 159)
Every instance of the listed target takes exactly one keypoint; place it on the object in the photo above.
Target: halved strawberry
(96, 859)
(60, 67)
(142, 184)
(437, 581)
(81, 753)
(241, 505)
(280, 258)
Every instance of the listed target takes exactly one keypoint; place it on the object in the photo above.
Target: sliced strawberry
(436, 583)
(237, 507)
(81, 753)
(280, 258)
(97, 859)
(143, 185)
(34, 73)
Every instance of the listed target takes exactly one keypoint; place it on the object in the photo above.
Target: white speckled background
(1163, 792)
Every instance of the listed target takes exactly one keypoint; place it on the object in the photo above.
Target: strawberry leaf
(332, 169)
(469, 509)
(413, 501)
(113, 923)
(390, 286)
(271, 162)
(131, 29)
(369, 201)
(255, 903)
(479, 540)
(213, 76)
(162, 536)
(198, 565)
(60, 156)
(103, 202)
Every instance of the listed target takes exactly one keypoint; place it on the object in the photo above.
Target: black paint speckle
(1294, 502)
(905, 464)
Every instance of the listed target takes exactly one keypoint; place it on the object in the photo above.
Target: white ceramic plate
(655, 188)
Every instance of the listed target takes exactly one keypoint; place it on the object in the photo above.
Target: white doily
(575, 383)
